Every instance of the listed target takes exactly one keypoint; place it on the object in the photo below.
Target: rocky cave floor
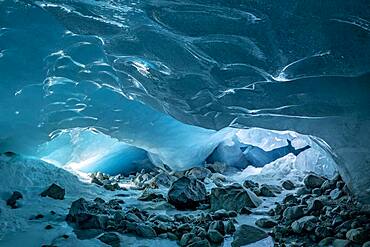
(203, 207)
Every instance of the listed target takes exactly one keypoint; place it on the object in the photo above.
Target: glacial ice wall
(291, 65)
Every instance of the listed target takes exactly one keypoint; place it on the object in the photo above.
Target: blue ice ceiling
(130, 68)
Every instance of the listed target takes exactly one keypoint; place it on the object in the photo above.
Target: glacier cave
(184, 123)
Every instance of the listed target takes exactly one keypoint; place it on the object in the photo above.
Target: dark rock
(145, 231)
(323, 232)
(341, 243)
(306, 223)
(358, 235)
(200, 243)
(215, 236)
(246, 234)
(315, 205)
(229, 227)
(266, 223)
(99, 200)
(367, 244)
(265, 191)
(316, 192)
(151, 196)
(112, 186)
(55, 192)
(48, 227)
(303, 191)
(233, 197)
(186, 193)
(39, 216)
(290, 198)
(217, 225)
(163, 179)
(95, 180)
(199, 173)
(336, 194)
(288, 185)
(110, 238)
(327, 241)
(293, 213)
(249, 184)
(217, 167)
(313, 181)
(187, 239)
(12, 201)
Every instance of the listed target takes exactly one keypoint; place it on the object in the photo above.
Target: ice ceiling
(150, 72)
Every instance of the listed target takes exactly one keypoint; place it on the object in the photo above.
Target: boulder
(336, 194)
(200, 243)
(162, 179)
(186, 193)
(12, 201)
(233, 197)
(341, 243)
(288, 185)
(313, 181)
(306, 223)
(145, 231)
(110, 238)
(358, 235)
(266, 191)
(246, 234)
(54, 191)
(215, 236)
(293, 213)
(199, 173)
(266, 223)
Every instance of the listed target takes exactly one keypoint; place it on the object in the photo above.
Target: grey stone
(145, 231)
(358, 235)
(54, 191)
(110, 238)
(186, 193)
(313, 181)
(12, 201)
(341, 243)
(199, 173)
(266, 223)
(336, 194)
(246, 234)
(215, 236)
(293, 213)
(306, 223)
(233, 197)
(288, 185)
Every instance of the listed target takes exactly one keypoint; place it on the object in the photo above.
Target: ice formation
(148, 73)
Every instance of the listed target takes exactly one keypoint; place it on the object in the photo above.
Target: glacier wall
(130, 68)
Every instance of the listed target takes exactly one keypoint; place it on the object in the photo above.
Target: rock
(186, 193)
(313, 181)
(229, 227)
(341, 243)
(145, 231)
(217, 225)
(163, 179)
(133, 218)
(110, 238)
(233, 197)
(54, 191)
(187, 239)
(199, 173)
(215, 236)
(249, 184)
(245, 210)
(336, 194)
(266, 223)
(95, 180)
(201, 243)
(306, 223)
(316, 192)
(326, 241)
(293, 213)
(358, 235)
(151, 196)
(266, 191)
(246, 234)
(48, 227)
(288, 185)
(323, 232)
(112, 186)
(87, 215)
(315, 205)
(12, 201)
(367, 244)
(217, 167)
(303, 191)
(162, 218)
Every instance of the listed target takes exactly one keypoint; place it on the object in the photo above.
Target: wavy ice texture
(292, 65)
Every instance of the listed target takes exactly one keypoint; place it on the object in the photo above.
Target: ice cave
(192, 123)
